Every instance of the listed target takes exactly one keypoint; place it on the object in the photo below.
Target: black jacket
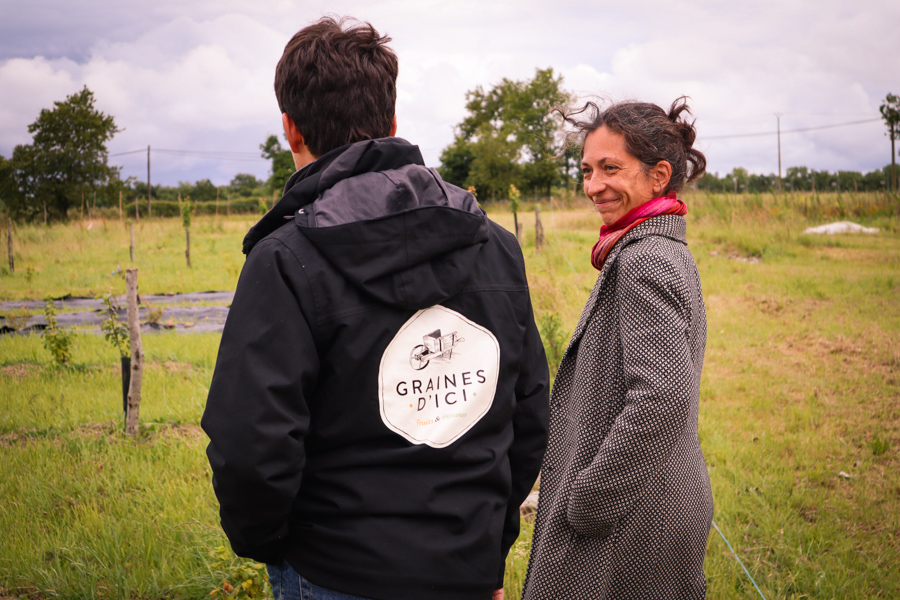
(378, 410)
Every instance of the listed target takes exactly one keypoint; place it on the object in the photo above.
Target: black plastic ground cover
(88, 313)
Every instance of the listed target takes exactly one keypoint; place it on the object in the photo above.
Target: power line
(747, 135)
(207, 154)
(214, 154)
(124, 153)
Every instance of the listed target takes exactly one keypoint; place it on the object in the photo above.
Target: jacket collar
(307, 184)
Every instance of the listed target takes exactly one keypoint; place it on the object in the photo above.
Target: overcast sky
(197, 76)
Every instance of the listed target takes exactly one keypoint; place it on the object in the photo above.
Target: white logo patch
(438, 377)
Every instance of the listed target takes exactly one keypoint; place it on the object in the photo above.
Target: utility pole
(778, 119)
(149, 209)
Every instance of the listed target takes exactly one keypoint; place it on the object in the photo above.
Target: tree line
(66, 168)
(797, 179)
(510, 138)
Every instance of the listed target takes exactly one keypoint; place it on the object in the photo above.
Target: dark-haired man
(379, 404)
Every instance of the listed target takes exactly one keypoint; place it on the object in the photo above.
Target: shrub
(57, 340)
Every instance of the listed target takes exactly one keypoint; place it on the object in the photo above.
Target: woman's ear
(661, 174)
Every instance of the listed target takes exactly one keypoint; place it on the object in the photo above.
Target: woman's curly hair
(650, 134)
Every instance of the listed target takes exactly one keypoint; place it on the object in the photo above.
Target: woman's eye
(610, 168)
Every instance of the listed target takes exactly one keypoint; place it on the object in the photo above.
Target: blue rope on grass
(739, 560)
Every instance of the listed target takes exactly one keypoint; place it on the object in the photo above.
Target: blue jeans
(288, 584)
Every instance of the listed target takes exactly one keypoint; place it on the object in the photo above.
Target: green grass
(85, 258)
(801, 384)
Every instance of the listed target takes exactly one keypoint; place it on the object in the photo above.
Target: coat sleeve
(531, 422)
(654, 317)
(256, 414)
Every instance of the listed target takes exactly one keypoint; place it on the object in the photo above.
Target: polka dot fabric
(625, 502)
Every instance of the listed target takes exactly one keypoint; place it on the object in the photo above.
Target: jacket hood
(390, 225)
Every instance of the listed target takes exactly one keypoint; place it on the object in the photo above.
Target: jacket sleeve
(531, 422)
(256, 414)
(653, 304)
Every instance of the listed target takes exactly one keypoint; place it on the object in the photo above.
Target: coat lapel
(670, 226)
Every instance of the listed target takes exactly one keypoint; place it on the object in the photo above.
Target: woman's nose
(593, 186)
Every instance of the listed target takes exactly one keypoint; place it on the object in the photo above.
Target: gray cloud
(199, 76)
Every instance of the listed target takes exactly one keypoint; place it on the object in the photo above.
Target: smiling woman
(634, 158)
(625, 502)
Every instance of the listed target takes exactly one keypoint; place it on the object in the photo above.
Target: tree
(495, 166)
(738, 179)
(201, 191)
(456, 162)
(798, 179)
(243, 184)
(282, 162)
(67, 157)
(510, 136)
(7, 182)
(890, 112)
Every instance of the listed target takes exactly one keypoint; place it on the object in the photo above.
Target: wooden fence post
(538, 229)
(137, 213)
(9, 249)
(187, 249)
(132, 414)
(120, 205)
(131, 247)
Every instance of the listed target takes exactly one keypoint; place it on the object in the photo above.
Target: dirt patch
(173, 366)
(20, 372)
(8, 440)
(752, 259)
(187, 432)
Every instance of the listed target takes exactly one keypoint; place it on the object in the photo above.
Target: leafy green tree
(890, 112)
(761, 183)
(243, 184)
(494, 167)
(849, 181)
(824, 181)
(7, 183)
(282, 162)
(798, 179)
(510, 136)
(66, 159)
(874, 181)
(738, 179)
(201, 191)
(711, 182)
(456, 162)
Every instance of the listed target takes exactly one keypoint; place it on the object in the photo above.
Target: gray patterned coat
(625, 502)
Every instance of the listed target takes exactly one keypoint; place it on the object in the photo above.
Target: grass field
(800, 402)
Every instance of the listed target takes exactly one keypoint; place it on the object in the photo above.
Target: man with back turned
(378, 410)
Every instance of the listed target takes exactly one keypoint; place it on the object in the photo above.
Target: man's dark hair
(337, 80)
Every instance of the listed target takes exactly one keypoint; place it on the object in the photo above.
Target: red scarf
(610, 234)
